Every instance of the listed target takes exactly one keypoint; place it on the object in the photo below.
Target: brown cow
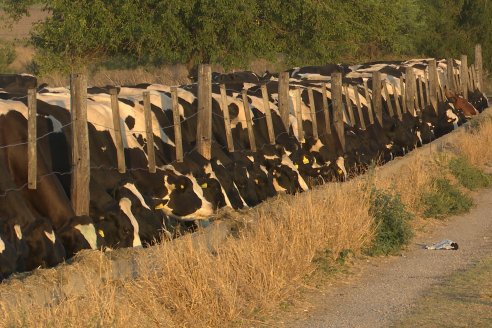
(461, 103)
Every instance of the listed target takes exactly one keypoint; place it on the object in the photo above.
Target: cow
(461, 104)
(16, 85)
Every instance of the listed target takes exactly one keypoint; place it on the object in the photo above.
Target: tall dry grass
(240, 281)
(475, 146)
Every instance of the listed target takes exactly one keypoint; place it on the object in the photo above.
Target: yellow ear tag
(159, 207)
(305, 160)
(205, 185)
(339, 171)
(101, 233)
(296, 166)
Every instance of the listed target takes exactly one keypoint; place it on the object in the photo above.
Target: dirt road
(385, 289)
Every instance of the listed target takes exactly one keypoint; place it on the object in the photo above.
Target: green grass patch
(444, 200)
(391, 218)
(469, 176)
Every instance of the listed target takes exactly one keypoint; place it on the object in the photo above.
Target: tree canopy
(232, 33)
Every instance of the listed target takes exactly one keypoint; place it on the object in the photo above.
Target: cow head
(45, 248)
(184, 198)
(451, 95)
(461, 104)
(77, 234)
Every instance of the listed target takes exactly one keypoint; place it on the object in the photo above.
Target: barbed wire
(254, 90)
(38, 138)
(38, 180)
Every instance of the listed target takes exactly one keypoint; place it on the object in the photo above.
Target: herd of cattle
(138, 208)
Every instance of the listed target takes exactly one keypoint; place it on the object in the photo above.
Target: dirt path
(386, 288)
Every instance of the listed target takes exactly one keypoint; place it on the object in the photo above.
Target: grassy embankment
(282, 245)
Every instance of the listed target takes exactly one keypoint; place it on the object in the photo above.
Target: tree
(81, 33)
(454, 27)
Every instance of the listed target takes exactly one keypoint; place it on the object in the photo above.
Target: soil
(383, 290)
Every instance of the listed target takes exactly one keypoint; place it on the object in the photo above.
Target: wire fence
(254, 92)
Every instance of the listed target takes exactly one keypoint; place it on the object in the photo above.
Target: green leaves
(392, 229)
(232, 33)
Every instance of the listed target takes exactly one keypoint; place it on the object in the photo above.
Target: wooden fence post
(348, 102)
(312, 106)
(283, 99)
(204, 125)
(300, 130)
(426, 88)
(410, 90)
(479, 66)
(80, 194)
(326, 110)
(120, 151)
(178, 140)
(397, 102)
(369, 103)
(149, 132)
(457, 83)
(388, 99)
(336, 98)
(421, 95)
(268, 114)
(470, 78)
(359, 108)
(403, 95)
(464, 76)
(433, 84)
(227, 119)
(376, 96)
(32, 156)
(249, 121)
(450, 75)
(473, 73)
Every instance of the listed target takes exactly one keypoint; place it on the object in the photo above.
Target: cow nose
(205, 211)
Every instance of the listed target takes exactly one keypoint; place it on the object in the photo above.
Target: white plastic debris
(445, 244)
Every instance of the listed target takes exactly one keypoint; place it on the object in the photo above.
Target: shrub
(7, 56)
(469, 176)
(392, 229)
(445, 199)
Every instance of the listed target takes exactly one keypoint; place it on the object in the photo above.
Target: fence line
(413, 100)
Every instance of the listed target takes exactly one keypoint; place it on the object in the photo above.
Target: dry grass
(410, 182)
(478, 153)
(240, 281)
(243, 278)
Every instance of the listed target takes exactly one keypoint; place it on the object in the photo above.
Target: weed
(392, 230)
(445, 199)
(323, 260)
(7, 56)
(344, 255)
(469, 176)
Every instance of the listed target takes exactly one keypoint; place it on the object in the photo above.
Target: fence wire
(253, 90)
